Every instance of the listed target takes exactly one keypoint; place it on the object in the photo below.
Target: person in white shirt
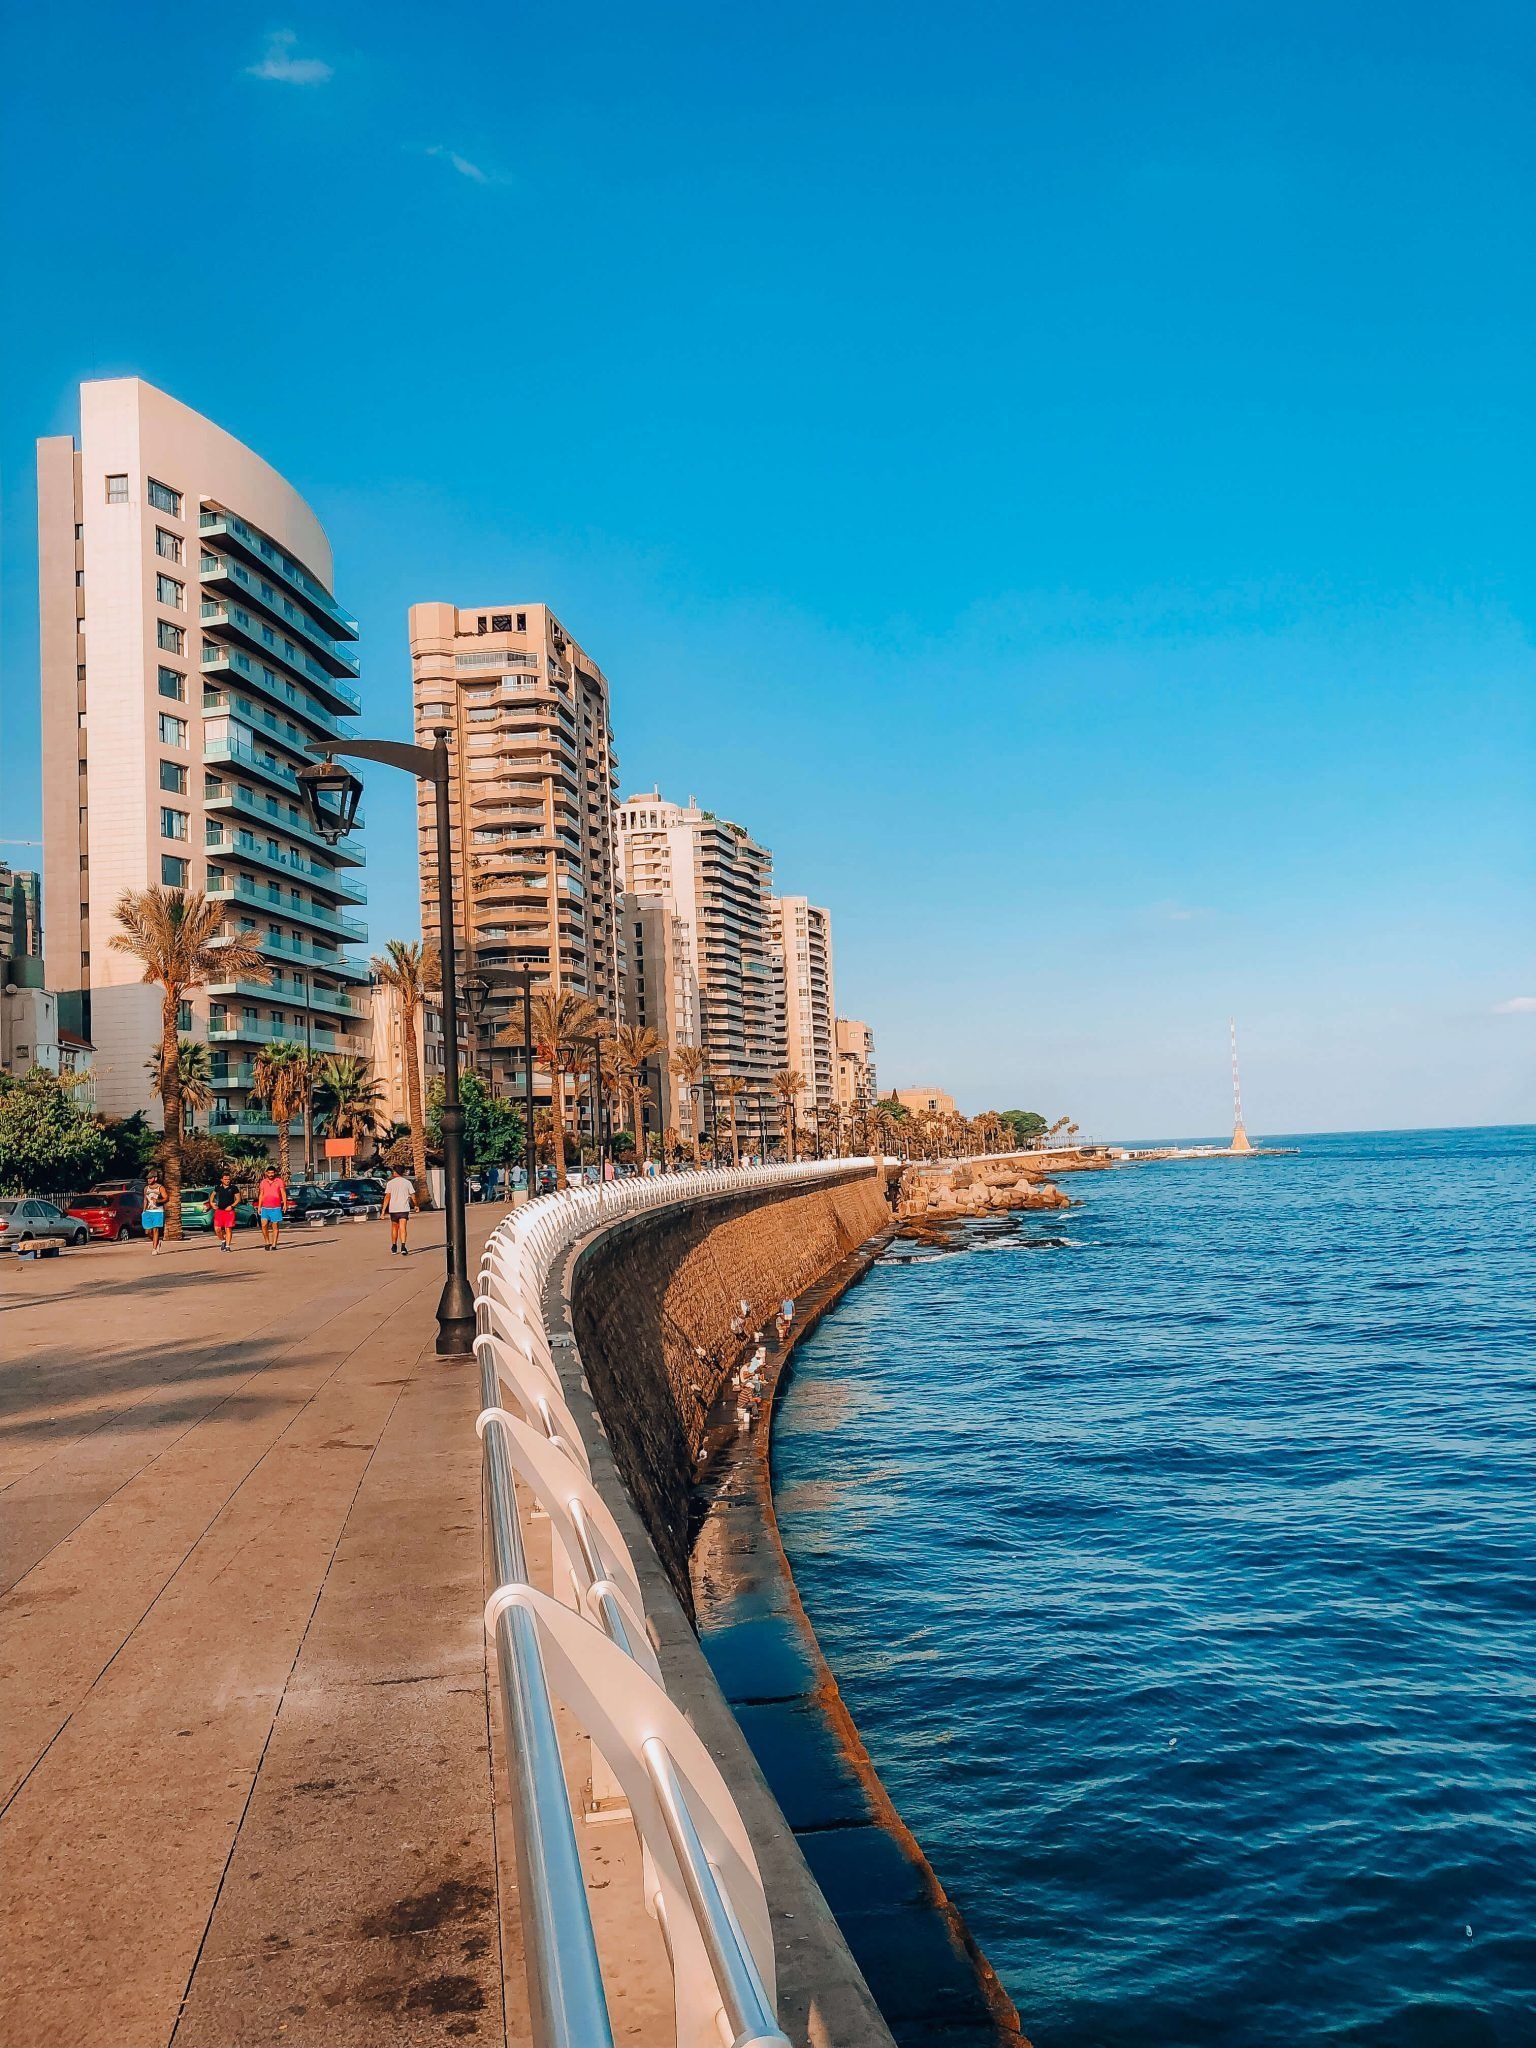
(399, 1201)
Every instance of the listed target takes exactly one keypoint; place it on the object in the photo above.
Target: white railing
(589, 1645)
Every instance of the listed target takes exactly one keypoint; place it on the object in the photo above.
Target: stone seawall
(652, 1304)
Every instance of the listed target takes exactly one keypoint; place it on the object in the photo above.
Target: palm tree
(176, 933)
(789, 1086)
(409, 971)
(352, 1102)
(732, 1087)
(690, 1063)
(563, 1025)
(633, 1047)
(280, 1079)
(194, 1064)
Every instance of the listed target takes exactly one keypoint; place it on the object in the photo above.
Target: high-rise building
(801, 940)
(855, 1051)
(534, 774)
(661, 991)
(715, 883)
(191, 650)
(21, 914)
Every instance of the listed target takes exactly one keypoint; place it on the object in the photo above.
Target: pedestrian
(271, 1200)
(153, 1218)
(399, 1201)
(225, 1196)
(787, 1310)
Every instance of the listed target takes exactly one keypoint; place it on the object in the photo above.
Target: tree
(194, 1067)
(177, 935)
(732, 1087)
(351, 1100)
(789, 1086)
(48, 1143)
(563, 1023)
(409, 971)
(1026, 1125)
(690, 1063)
(131, 1141)
(493, 1127)
(280, 1079)
(632, 1049)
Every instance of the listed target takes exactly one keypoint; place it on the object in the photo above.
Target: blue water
(1182, 1581)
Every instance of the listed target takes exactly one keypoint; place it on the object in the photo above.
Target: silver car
(23, 1218)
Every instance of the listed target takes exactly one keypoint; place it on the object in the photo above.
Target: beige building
(21, 915)
(661, 991)
(390, 1068)
(534, 775)
(926, 1101)
(711, 881)
(854, 1049)
(801, 947)
(191, 649)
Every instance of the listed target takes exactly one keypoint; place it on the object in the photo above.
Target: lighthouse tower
(1239, 1135)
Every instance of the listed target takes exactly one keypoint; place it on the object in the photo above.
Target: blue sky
(1059, 475)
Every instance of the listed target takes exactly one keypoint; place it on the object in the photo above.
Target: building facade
(925, 1101)
(661, 992)
(21, 914)
(854, 1046)
(191, 651)
(534, 775)
(801, 941)
(714, 883)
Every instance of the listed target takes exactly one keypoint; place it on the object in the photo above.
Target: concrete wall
(652, 1305)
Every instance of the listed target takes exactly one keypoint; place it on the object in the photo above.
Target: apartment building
(21, 914)
(661, 991)
(535, 880)
(925, 1101)
(854, 1054)
(801, 946)
(714, 883)
(191, 650)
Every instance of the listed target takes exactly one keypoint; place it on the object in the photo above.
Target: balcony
(324, 1038)
(245, 892)
(227, 796)
(222, 665)
(215, 657)
(245, 847)
(217, 524)
(224, 573)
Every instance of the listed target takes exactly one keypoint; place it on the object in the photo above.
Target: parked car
(307, 1202)
(111, 1209)
(197, 1210)
(359, 1192)
(23, 1218)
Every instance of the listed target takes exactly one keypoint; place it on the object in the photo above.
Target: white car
(23, 1218)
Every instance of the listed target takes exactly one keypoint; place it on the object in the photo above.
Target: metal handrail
(565, 1979)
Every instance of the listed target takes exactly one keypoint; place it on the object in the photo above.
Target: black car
(308, 1204)
(357, 1194)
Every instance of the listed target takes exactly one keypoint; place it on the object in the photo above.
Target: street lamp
(332, 793)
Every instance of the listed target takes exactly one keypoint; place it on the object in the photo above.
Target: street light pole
(456, 1305)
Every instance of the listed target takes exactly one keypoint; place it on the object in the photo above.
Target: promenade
(245, 1753)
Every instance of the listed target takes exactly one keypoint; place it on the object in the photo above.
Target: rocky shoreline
(932, 1199)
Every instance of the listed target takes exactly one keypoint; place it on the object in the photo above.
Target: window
(79, 533)
(173, 684)
(169, 591)
(79, 579)
(173, 776)
(173, 732)
(183, 1016)
(275, 934)
(501, 622)
(168, 545)
(173, 824)
(163, 498)
(79, 671)
(170, 639)
(117, 490)
(173, 872)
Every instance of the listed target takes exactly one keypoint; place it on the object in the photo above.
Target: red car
(112, 1210)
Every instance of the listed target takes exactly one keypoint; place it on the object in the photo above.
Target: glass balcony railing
(244, 846)
(214, 522)
(219, 795)
(220, 571)
(217, 656)
(237, 891)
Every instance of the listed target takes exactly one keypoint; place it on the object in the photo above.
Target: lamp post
(476, 991)
(599, 1107)
(332, 792)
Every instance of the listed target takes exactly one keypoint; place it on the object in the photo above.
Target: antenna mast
(1239, 1135)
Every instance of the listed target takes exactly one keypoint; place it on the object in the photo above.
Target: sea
(1176, 1556)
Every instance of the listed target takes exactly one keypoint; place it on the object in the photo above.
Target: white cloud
(279, 62)
(461, 164)
(1515, 1006)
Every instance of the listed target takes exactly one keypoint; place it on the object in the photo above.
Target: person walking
(153, 1218)
(225, 1196)
(399, 1201)
(271, 1200)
